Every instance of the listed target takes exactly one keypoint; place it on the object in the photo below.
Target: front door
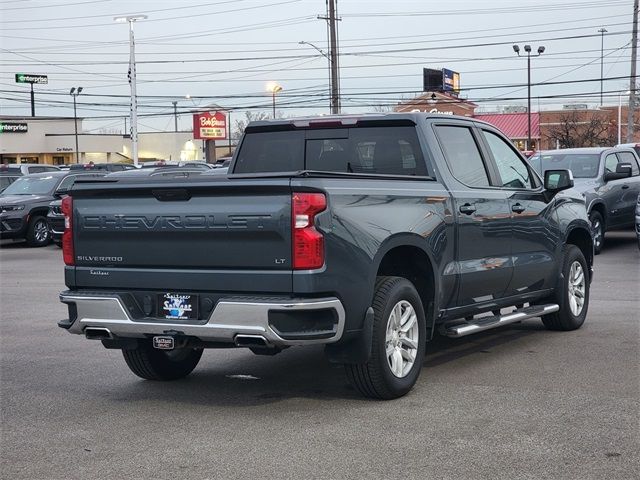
(483, 220)
(534, 231)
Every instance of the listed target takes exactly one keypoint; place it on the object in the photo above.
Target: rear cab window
(462, 155)
(391, 150)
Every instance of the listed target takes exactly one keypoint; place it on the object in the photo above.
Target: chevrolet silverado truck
(368, 234)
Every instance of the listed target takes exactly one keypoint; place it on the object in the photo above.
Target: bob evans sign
(11, 127)
(210, 126)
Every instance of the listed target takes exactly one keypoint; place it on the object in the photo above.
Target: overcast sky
(224, 53)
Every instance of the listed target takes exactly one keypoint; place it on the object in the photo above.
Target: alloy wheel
(576, 288)
(401, 339)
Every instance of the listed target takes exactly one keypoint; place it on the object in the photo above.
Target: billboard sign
(450, 81)
(210, 126)
(28, 78)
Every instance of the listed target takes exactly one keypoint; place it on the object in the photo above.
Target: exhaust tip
(251, 341)
(97, 333)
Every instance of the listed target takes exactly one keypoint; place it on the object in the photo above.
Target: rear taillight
(308, 243)
(67, 236)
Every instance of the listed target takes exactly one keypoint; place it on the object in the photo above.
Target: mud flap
(356, 349)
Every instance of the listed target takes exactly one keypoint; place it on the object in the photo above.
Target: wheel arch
(406, 256)
(581, 237)
(599, 206)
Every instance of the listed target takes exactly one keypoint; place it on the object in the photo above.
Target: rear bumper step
(231, 319)
(487, 323)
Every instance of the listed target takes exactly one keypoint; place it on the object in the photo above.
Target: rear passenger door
(483, 218)
(535, 234)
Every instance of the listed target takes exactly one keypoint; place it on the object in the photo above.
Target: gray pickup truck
(367, 234)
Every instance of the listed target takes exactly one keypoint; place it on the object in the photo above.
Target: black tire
(564, 319)
(597, 230)
(38, 233)
(375, 379)
(153, 364)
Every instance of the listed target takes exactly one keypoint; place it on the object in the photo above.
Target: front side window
(610, 163)
(513, 172)
(463, 155)
(628, 157)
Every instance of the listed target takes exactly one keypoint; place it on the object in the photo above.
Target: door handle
(518, 208)
(467, 208)
(624, 187)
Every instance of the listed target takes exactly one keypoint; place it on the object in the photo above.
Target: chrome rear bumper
(230, 317)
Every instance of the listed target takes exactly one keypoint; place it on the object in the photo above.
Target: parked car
(366, 234)
(177, 164)
(609, 179)
(638, 220)
(24, 205)
(107, 167)
(635, 146)
(26, 168)
(9, 173)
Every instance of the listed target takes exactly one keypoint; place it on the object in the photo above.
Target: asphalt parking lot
(519, 402)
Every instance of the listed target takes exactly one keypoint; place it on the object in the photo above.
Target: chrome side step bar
(467, 328)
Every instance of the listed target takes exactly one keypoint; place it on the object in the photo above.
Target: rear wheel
(153, 364)
(38, 234)
(399, 336)
(597, 229)
(572, 294)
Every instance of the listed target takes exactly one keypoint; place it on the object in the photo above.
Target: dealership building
(52, 140)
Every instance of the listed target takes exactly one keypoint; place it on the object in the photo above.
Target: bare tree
(249, 116)
(577, 128)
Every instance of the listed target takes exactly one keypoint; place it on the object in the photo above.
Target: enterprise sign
(11, 127)
(27, 78)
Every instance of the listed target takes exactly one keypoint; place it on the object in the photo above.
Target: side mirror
(557, 180)
(623, 170)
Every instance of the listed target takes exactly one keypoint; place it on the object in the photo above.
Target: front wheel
(153, 364)
(399, 336)
(572, 293)
(597, 229)
(38, 234)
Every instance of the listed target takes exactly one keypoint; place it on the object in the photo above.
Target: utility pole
(131, 19)
(33, 102)
(632, 79)
(175, 116)
(74, 92)
(602, 31)
(333, 55)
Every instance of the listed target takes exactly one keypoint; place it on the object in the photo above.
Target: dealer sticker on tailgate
(178, 306)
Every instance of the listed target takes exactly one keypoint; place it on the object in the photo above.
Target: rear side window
(463, 155)
(628, 157)
(373, 150)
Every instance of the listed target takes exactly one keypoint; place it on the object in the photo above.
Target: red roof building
(515, 126)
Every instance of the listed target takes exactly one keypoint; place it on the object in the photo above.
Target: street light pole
(175, 116)
(274, 88)
(329, 70)
(527, 48)
(74, 92)
(130, 19)
(602, 32)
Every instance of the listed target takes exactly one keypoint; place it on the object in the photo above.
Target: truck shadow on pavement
(239, 378)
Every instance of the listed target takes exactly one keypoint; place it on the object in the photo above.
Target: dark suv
(24, 205)
(608, 178)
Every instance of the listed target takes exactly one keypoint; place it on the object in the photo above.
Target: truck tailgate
(190, 225)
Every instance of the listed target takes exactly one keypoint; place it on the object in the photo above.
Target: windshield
(582, 165)
(32, 186)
